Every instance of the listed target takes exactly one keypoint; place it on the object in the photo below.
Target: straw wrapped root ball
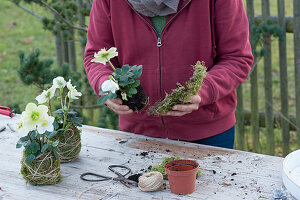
(44, 170)
(69, 145)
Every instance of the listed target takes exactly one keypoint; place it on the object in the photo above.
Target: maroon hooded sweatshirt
(213, 31)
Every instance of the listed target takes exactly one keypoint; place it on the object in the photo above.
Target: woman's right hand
(116, 106)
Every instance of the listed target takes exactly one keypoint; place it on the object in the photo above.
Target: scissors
(121, 177)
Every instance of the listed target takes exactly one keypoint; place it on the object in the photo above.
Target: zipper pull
(158, 42)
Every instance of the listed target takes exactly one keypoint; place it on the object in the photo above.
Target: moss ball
(69, 145)
(44, 170)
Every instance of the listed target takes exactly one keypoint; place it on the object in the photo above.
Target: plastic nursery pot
(182, 175)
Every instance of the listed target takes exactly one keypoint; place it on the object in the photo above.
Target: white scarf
(152, 8)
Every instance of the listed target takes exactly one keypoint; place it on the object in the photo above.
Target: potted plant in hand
(122, 83)
(66, 122)
(40, 162)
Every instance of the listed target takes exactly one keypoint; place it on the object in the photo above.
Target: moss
(45, 170)
(182, 93)
(69, 145)
(161, 168)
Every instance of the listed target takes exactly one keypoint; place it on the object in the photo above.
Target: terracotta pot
(182, 175)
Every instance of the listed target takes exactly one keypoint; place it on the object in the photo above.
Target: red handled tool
(6, 111)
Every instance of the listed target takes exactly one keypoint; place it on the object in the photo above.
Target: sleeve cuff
(206, 93)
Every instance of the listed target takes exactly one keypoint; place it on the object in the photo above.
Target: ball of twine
(151, 181)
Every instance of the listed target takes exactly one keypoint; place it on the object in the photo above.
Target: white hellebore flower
(109, 85)
(20, 125)
(103, 55)
(73, 93)
(34, 115)
(46, 95)
(46, 125)
(59, 82)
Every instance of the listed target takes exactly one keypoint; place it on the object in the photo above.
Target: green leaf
(55, 153)
(125, 68)
(52, 134)
(55, 124)
(35, 147)
(118, 71)
(22, 141)
(124, 78)
(135, 84)
(45, 147)
(137, 70)
(112, 95)
(132, 91)
(103, 99)
(27, 150)
(59, 111)
(130, 81)
(54, 144)
(101, 92)
(33, 135)
(30, 158)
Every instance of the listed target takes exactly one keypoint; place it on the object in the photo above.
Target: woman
(167, 37)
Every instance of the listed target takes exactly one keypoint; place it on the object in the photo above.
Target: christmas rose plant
(122, 83)
(40, 162)
(66, 120)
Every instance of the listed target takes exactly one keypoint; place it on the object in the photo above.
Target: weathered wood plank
(268, 84)
(283, 81)
(297, 63)
(226, 174)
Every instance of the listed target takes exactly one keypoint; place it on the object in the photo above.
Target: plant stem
(29, 137)
(61, 99)
(50, 111)
(66, 113)
(111, 64)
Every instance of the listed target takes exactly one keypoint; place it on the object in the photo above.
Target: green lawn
(19, 30)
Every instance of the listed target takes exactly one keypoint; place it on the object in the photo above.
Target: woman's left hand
(183, 109)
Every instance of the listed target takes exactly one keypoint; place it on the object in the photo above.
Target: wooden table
(226, 174)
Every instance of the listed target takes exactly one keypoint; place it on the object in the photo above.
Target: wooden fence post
(254, 86)
(268, 83)
(283, 80)
(81, 19)
(297, 63)
(72, 50)
(240, 119)
(58, 46)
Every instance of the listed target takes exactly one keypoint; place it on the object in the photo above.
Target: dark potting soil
(135, 177)
(138, 101)
(145, 153)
